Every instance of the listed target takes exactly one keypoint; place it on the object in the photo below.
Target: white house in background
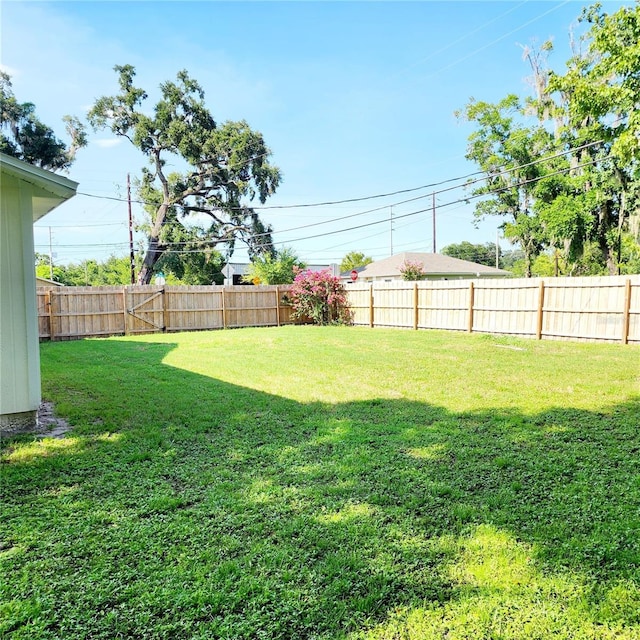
(234, 271)
(27, 193)
(435, 265)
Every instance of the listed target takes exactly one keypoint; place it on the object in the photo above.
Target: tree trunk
(609, 251)
(154, 252)
(151, 257)
(527, 264)
(612, 263)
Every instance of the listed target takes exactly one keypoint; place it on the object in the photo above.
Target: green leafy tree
(630, 254)
(566, 206)
(280, 268)
(598, 100)
(192, 258)
(354, 260)
(480, 253)
(505, 151)
(582, 200)
(604, 82)
(511, 257)
(43, 266)
(224, 164)
(591, 262)
(544, 266)
(24, 136)
(113, 271)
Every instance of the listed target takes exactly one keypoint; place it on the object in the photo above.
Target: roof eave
(50, 189)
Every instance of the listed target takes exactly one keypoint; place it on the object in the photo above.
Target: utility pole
(433, 219)
(50, 257)
(497, 248)
(132, 258)
(390, 231)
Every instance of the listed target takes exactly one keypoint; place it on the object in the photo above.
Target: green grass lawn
(306, 482)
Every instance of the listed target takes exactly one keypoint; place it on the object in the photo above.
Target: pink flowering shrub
(412, 270)
(319, 296)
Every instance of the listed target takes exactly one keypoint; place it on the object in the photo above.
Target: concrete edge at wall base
(12, 424)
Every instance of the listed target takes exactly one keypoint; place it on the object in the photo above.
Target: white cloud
(107, 143)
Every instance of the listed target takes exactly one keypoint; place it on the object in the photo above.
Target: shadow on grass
(189, 507)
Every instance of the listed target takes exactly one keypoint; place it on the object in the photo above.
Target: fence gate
(144, 309)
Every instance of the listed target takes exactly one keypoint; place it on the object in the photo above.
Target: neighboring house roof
(44, 282)
(435, 265)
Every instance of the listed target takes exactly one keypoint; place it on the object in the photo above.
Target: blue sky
(354, 99)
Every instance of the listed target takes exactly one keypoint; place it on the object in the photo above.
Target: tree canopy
(24, 136)
(113, 271)
(353, 260)
(561, 166)
(191, 263)
(222, 164)
(480, 253)
(278, 268)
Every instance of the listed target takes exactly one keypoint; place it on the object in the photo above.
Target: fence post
(540, 310)
(124, 310)
(627, 311)
(50, 314)
(224, 307)
(371, 305)
(164, 310)
(277, 306)
(415, 306)
(471, 300)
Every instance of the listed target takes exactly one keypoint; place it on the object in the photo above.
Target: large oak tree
(221, 166)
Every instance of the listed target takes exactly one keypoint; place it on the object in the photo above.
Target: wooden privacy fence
(602, 308)
(606, 308)
(65, 313)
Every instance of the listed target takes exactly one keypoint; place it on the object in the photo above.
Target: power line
(490, 44)
(458, 201)
(463, 38)
(85, 246)
(384, 220)
(433, 193)
(414, 213)
(466, 185)
(309, 204)
(351, 200)
(80, 226)
(472, 197)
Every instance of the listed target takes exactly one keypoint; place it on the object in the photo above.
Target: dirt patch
(48, 425)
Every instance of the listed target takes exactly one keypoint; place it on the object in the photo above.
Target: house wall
(19, 355)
